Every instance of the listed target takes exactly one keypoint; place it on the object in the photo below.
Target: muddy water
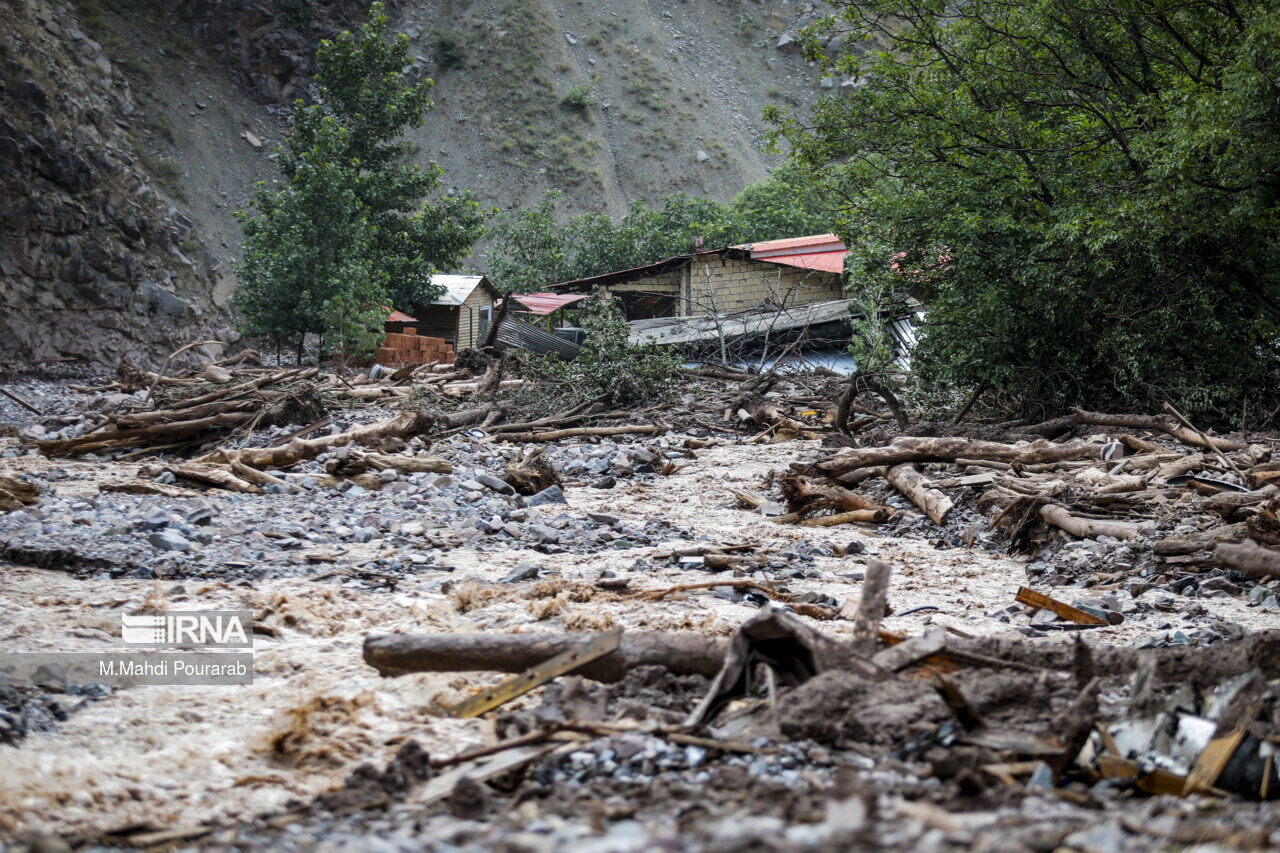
(176, 756)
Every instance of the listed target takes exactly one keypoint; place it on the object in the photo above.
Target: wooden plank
(480, 771)
(910, 652)
(518, 685)
(1063, 610)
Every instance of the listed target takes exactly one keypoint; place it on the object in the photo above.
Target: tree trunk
(1084, 528)
(682, 654)
(919, 449)
(916, 486)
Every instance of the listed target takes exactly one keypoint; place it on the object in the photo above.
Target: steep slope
(131, 131)
(610, 101)
(95, 260)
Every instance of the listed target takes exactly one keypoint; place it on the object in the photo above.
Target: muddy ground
(837, 762)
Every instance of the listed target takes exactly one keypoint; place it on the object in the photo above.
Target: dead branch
(1159, 423)
(918, 449)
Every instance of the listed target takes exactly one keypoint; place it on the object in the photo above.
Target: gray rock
(787, 43)
(543, 533)
(169, 540)
(549, 495)
(494, 483)
(703, 156)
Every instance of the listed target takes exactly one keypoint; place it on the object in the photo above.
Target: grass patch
(579, 99)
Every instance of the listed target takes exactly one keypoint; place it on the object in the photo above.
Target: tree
(350, 232)
(534, 248)
(1084, 192)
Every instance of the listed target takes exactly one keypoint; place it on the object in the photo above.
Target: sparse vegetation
(447, 49)
(580, 98)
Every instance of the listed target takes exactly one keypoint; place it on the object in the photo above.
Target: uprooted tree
(1084, 193)
(351, 230)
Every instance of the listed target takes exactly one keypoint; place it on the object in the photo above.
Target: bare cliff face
(94, 261)
(131, 130)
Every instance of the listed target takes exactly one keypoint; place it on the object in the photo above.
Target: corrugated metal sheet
(832, 262)
(456, 288)
(708, 327)
(515, 333)
(794, 245)
(544, 303)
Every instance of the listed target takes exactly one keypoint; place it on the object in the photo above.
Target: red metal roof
(544, 303)
(832, 262)
(398, 317)
(795, 246)
(822, 252)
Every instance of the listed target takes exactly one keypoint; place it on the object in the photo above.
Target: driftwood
(15, 493)
(805, 497)
(400, 654)
(1225, 503)
(1086, 528)
(906, 479)
(1159, 423)
(1172, 546)
(578, 432)
(1249, 558)
(531, 473)
(404, 425)
(917, 449)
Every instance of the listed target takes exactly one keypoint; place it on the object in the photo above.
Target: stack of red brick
(408, 347)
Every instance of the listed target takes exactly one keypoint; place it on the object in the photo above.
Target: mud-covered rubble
(646, 532)
(413, 520)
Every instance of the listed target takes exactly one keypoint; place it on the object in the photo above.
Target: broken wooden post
(916, 486)
(866, 621)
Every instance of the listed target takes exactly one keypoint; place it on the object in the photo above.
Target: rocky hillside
(132, 129)
(95, 260)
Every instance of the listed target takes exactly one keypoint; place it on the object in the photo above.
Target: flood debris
(694, 623)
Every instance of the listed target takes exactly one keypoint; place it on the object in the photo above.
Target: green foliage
(1084, 193)
(608, 368)
(448, 50)
(531, 248)
(349, 232)
(579, 98)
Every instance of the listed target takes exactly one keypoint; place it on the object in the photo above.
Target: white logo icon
(192, 628)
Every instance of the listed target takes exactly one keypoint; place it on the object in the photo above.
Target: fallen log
(404, 425)
(906, 479)
(1159, 423)
(1173, 546)
(1249, 558)
(948, 449)
(253, 475)
(579, 432)
(682, 654)
(1086, 528)
(1225, 503)
(219, 477)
